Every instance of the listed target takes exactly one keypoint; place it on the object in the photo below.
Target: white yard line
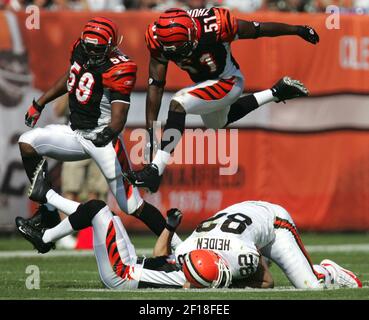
(277, 289)
(349, 248)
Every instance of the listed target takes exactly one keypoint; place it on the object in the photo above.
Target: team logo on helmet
(204, 269)
(176, 31)
(99, 37)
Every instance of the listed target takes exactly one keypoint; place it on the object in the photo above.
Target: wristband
(38, 107)
(157, 83)
(170, 228)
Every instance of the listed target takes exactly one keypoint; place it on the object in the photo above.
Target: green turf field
(65, 275)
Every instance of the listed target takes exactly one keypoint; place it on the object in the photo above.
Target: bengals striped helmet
(204, 268)
(176, 31)
(99, 37)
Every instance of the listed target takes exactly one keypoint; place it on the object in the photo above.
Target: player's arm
(157, 76)
(163, 244)
(57, 90)
(253, 30)
(261, 278)
(119, 113)
(120, 80)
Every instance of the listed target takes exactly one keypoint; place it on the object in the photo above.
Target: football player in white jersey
(227, 248)
(224, 251)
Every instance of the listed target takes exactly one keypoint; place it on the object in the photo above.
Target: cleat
(341, 277)
(287, 88)
(40, 185)
(42, 218)
(33, 235)
(147, 178)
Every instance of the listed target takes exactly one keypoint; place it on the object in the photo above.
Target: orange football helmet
(176, 31)
(205, 268)
(99, 37)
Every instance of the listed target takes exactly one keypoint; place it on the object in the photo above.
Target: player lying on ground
(236, 238)
(224, 251)
(198, 41)
(99, 83)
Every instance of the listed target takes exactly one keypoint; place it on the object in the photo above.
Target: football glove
(104, 137)
(33, 114)
(308, 34)
(151, 146)
(174, 217)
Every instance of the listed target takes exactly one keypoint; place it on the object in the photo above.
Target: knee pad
(82, 218)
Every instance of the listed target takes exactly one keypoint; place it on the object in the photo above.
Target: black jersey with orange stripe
(217, 27)
(93, 89)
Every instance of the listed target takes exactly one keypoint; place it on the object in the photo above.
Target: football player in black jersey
(198, 41)
(99, 83)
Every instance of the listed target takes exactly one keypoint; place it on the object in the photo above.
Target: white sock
(264, 97)
(63, 229)
(61, 203)
(161, 160)
(321, 269)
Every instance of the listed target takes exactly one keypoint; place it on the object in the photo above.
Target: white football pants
(62, 143)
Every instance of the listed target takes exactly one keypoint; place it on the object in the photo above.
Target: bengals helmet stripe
(102, 28)
(175, 26)
(108, 25)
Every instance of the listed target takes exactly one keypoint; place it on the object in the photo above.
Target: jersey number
(235, 223)
(85, 85)
(210, 25)
(208, 60)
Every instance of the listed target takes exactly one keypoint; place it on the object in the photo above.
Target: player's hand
(174, 217)
(104, 137)
(308, 33)
(151, 146)
(33, 114)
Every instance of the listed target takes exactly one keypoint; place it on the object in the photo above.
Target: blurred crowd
(241, 5)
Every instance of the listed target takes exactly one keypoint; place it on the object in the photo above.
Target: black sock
(176, 120)
(43, 218)
(30, 164)
(152, 217)
(242, 107)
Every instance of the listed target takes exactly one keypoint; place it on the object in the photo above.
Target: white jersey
(236, 233)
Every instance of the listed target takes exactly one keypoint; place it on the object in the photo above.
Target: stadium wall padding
(322, 178)
(339, 63)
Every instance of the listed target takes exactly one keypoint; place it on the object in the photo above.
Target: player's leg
(56, 141)
(113, 161)
(115, 255)
(118, 264)
(285, 89)
(336, 276)
(288, 252)
(207, 97)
